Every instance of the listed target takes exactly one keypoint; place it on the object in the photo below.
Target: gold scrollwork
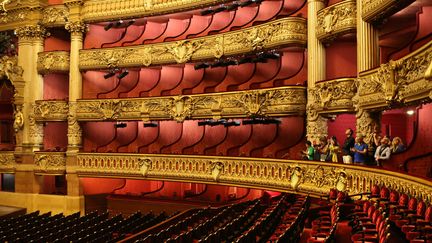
(54, 15)
(265, 102)
(334, 94)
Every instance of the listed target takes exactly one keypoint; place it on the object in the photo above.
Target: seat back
(421, 208)
(403, 200)
(412, 204)
(375, 191)
(394, 196)
(384, 193)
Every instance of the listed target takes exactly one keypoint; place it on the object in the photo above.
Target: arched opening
(7, 140)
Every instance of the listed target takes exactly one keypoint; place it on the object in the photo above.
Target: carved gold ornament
(53, 110)
(266, 102)
(337, 19)
(7, 162)
(76, 27)
(74, 129)
(282, 175)
(400, 81)
(57, 61)
(52, 162)
(54, 15)
(333, 95)
(290, 31)
(18, 118)
(145, 165)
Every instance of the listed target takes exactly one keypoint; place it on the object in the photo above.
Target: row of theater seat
(92, 227)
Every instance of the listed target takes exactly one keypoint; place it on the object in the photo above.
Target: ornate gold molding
(52, 110)
(53, 61)
(78, 27)
(7, 162)
(9, 69)
(290, 31)
(377, 10)
(102, 10)
(400, 81)
(334, 95)
(336, 20)
(54, 16)
(265, 102)
(50, 163)
(282, 175)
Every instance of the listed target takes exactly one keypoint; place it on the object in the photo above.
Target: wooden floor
(6, 212)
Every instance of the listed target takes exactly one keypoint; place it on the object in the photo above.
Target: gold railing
(52, 110)
(290, 31)
(103, 10)
(401, 81)
(265, 102)
(336, 20)
(50, 163)
(7, 162)
(53, 61)
(376, 10)
(282, 175)
(334, 95)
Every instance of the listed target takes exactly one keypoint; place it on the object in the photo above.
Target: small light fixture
(410, 112)
(151, 124)
(123, 74)
(120, 125)
(109, 75)
(108, 26)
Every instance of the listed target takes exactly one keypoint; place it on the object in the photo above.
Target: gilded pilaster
(30, 42)
(316, 125)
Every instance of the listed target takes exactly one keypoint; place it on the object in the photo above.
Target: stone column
(30, 42)
(77, 29)
(367, 58)
(316, 125)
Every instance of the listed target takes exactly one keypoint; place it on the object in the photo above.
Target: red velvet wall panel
(338, 126)
(262, 136)
(418, 157)
(214, 136)
(169, 132)
(97, 134)
(244, 16)
(55, 135)
(56, 86)
(100, 185)
(198, 24)
(341, 60)
(191, 135)
(59, 40)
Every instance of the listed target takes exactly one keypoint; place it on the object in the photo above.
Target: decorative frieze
(102, 10)
(54, 61)
(290, 31)
(377, 10)
(50, 163)
(7, 162)
(336, 20)
(400, 81)
(265, 102)
(50, 110)
(283, 175)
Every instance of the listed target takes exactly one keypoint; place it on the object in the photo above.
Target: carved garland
(50, 110)
(57, 61)
(7, 162)
(268, 102)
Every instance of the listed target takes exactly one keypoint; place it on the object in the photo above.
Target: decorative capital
(31, 32)
(76, 27)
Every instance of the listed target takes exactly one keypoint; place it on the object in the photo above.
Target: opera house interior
(216, 121)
